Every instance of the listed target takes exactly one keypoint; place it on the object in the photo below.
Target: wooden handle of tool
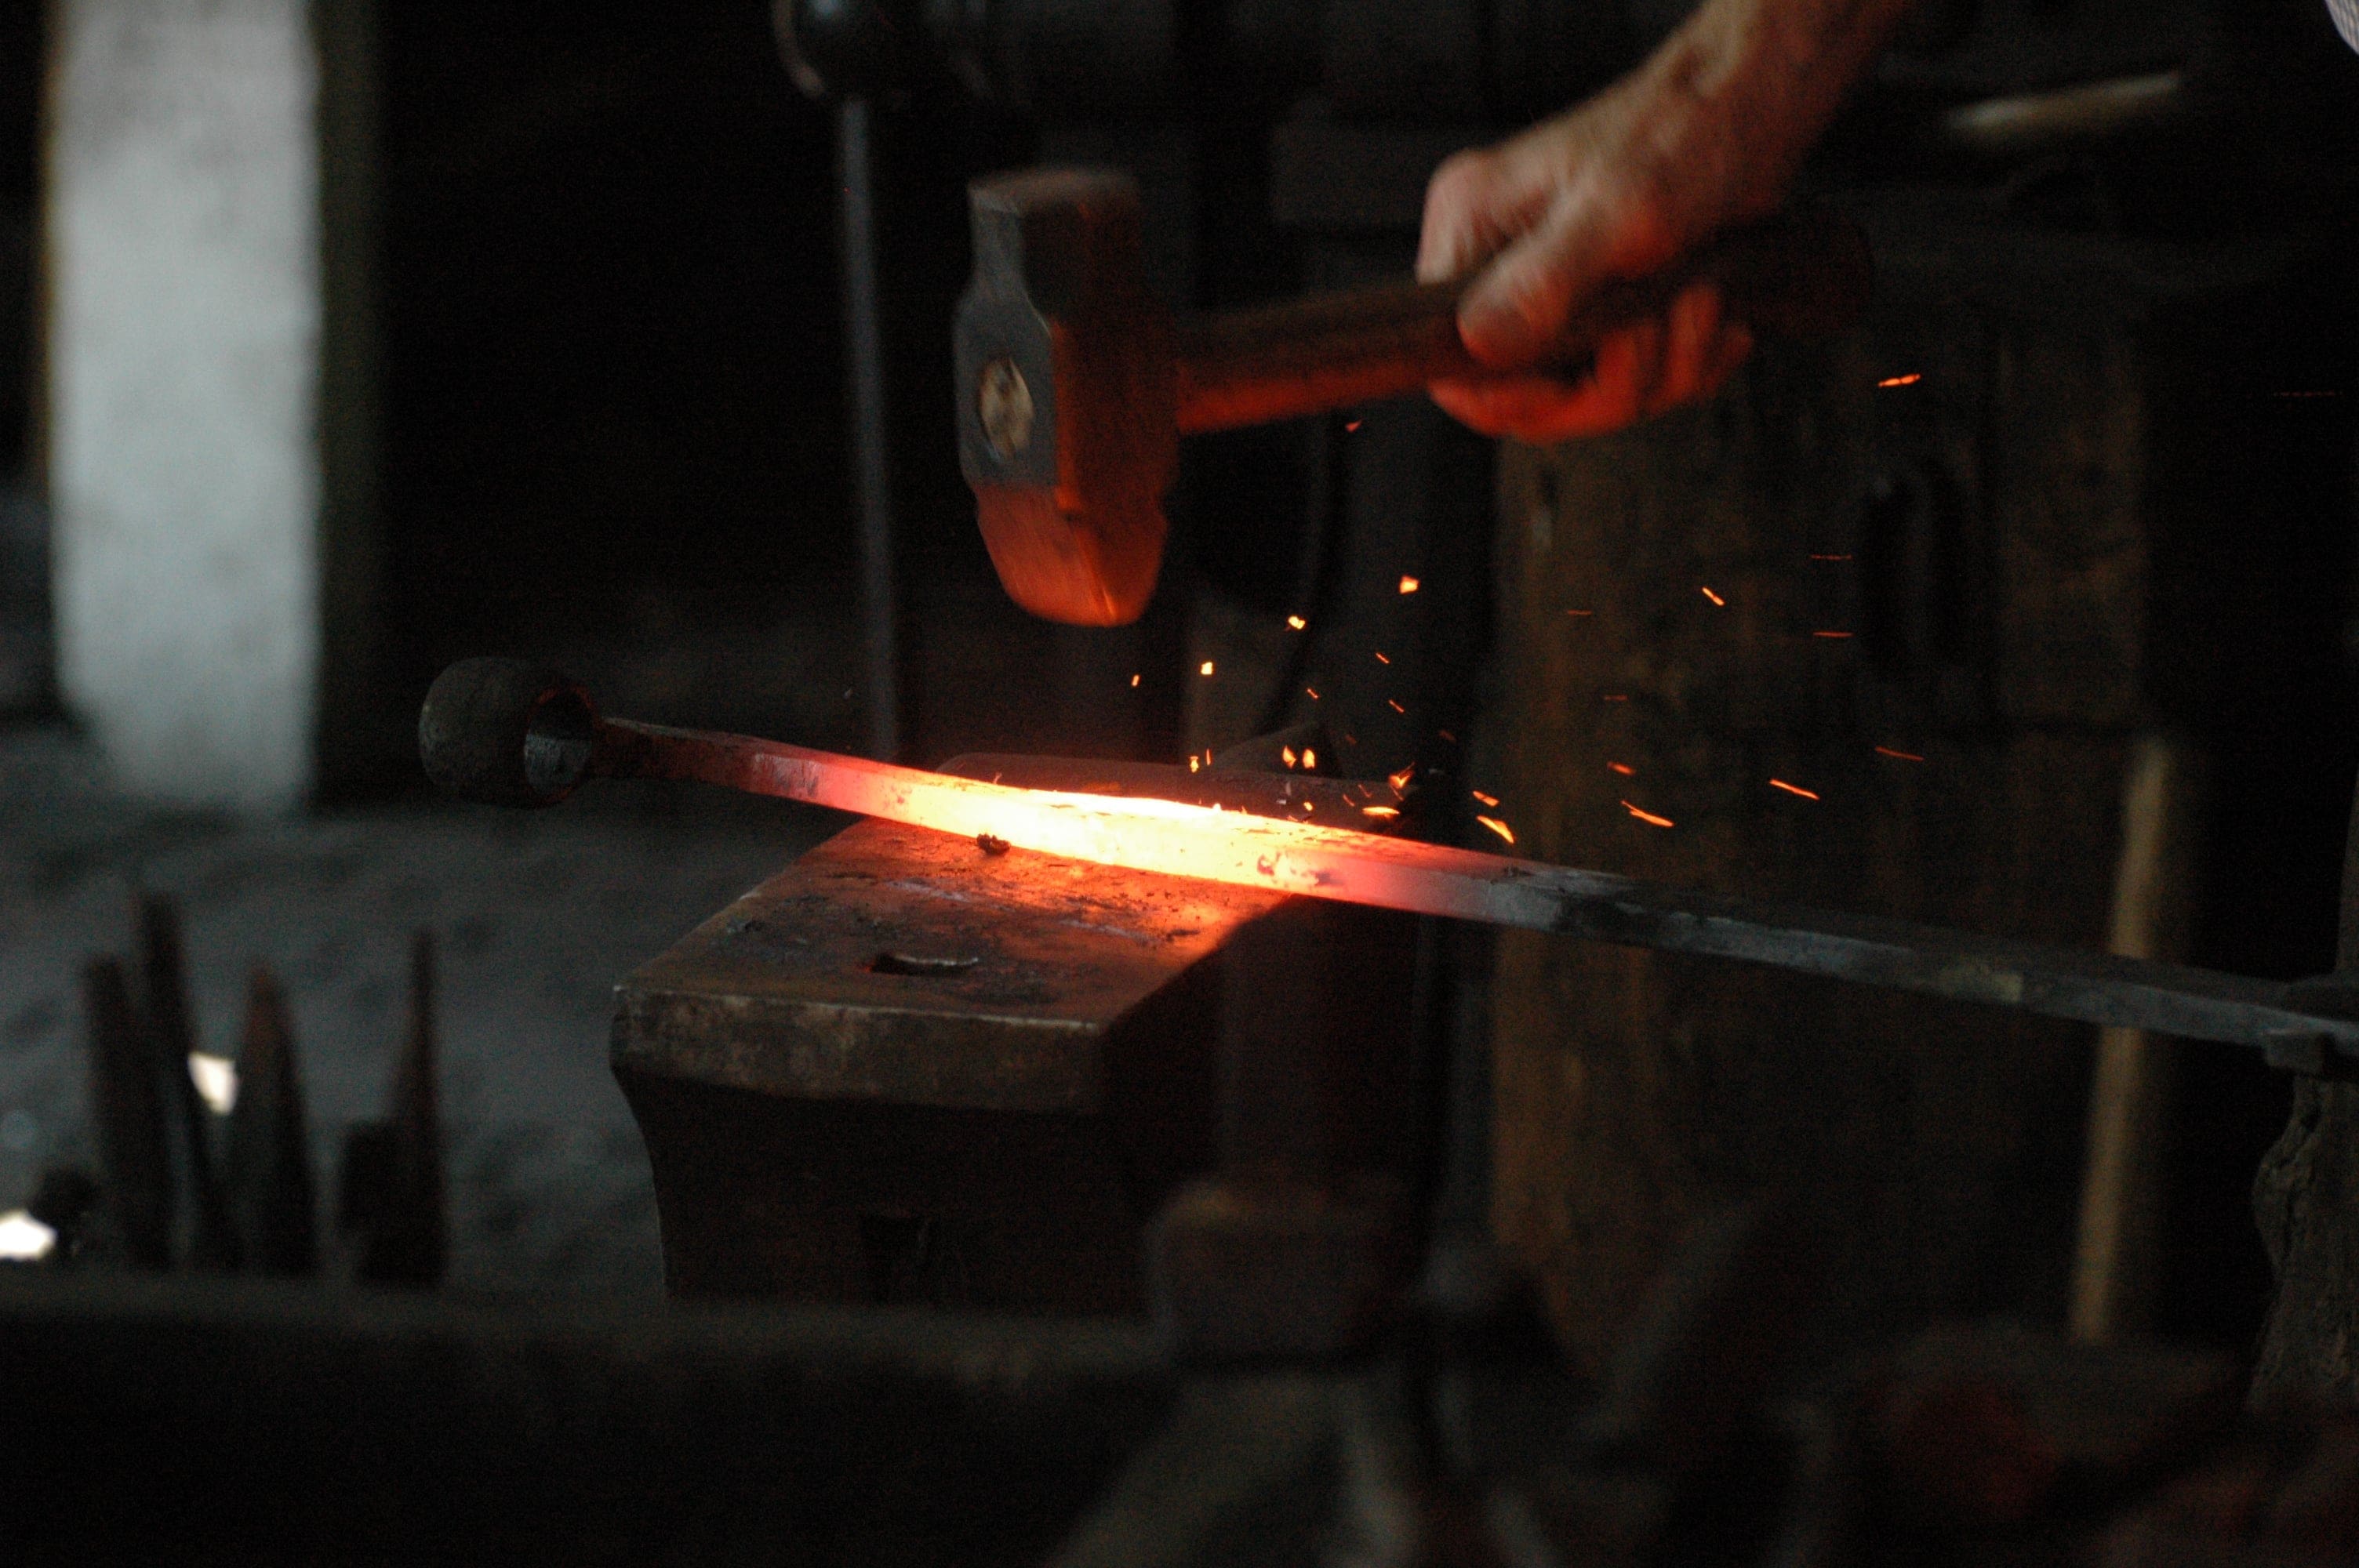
(1801, 273)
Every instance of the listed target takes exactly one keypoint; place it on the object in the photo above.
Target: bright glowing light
(23, 1238)
(1486, 799)
(1409, 585)
(1386, 812)
(1206, 668)
(1909, 380)
(1133, 680)
(216, 1081)
(1495, 826)
(1399, 780)
(1296, 621)
(1793, 789)
(1717, 602)
(1286, 754)
(1309, 758)
(1648, 817)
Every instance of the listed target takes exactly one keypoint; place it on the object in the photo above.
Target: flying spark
(1718, 602)
(1581, 612)
(1647, 816)
(1624, 769)
(1381, 660)
(1447, 736)
(1396, 706)
(1495, 826)
(1904, 756)
(1309, 758)
(1296, 621)
(1830, 557)
(1206, 668)
(1133, 680)
(1909, 380)
(1399, 780)
(1793, 789)
(1286, 754)
(1490, 800)
(1383, 811)
(1616, 697)
(1409, 585)
(1310, 694)
(1351, 425)
(1836, 636)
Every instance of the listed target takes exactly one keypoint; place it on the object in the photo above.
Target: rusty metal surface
(900, 965)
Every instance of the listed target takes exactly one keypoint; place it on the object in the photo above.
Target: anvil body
(909, 1069)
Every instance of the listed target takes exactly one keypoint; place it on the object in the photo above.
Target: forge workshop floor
(537, 915)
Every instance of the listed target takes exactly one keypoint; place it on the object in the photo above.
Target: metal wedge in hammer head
(1065, 382)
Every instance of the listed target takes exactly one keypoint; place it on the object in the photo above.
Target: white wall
(183, 346)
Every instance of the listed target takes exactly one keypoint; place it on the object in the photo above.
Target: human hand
(1704, 135)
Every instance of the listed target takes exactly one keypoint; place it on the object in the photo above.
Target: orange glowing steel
(1495, 826)
(1647, 816)
(1486, 799)
(1624, 769)
(1409, 585)
(1793, 789)
(1904, 756)
(1909, 380)
(1718, 602)
(1296, 621)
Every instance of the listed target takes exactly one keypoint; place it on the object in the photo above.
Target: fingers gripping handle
(506, 732)
(1803, 274)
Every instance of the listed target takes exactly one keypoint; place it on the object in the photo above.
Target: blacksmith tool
(514, 733)
(1075, 384)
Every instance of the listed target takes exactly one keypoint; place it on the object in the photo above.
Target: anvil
(910, 1068)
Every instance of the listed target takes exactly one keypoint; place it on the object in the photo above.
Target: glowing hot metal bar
(523, 736)
(1318, 861)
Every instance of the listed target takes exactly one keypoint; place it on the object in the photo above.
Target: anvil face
(896, 965)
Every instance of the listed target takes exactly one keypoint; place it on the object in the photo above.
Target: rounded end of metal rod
(506, 732)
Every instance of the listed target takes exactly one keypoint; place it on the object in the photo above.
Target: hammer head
(1066, 387)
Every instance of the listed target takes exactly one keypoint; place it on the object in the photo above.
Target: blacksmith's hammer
(1075, 384)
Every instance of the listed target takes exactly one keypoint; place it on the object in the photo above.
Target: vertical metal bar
(871, 479)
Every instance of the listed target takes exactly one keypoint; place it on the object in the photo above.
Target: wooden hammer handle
(1801, 274)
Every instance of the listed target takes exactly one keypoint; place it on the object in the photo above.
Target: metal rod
(871, 443)
(1336, 862)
